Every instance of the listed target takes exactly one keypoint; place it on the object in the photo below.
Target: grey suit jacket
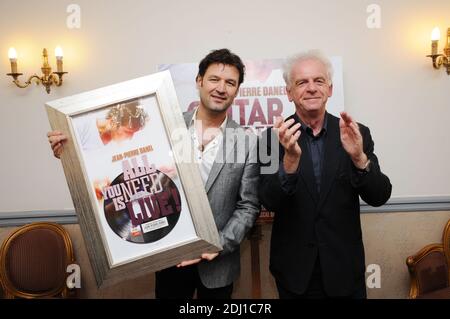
(232, 192)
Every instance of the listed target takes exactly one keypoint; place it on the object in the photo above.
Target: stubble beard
(214, 108)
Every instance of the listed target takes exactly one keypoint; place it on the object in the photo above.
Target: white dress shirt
(205, 154)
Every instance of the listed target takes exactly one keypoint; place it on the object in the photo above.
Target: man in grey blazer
(228, 164)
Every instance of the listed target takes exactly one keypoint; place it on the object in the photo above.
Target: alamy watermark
(374, 19)
(74, 279)
(374, 279)
(73, 20)
(237, 147)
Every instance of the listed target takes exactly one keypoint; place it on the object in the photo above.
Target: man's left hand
(207, 256)
(352, 140)
(185, 263)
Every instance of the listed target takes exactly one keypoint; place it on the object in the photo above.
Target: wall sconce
(48, 78)
(440, 59)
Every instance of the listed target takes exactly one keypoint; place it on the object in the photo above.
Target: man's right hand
(56, 140)
(288, 137)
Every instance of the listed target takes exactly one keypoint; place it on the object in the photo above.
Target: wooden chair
(34, 260)
(429, 270)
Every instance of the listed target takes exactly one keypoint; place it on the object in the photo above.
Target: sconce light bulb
(58, 52)
(12, 54)
(435, 34)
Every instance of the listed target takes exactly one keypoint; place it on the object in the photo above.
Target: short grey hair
(303, 56)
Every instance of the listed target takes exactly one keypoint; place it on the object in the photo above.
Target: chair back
(34, 260)
(430, 269)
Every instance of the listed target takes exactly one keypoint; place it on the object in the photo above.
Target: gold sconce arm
(438, 60)
(55, 78)
(59, 79)
(27, 83)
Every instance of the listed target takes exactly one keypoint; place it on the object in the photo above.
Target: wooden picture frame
(138, 195)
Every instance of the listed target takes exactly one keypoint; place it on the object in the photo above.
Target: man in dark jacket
(325, 165)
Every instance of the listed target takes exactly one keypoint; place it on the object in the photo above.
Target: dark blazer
(308, 224)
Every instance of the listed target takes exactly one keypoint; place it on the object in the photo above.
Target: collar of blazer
(228, 140)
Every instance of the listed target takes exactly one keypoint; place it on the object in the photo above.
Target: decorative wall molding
(8, 219)
(394, 205)
(410, 204)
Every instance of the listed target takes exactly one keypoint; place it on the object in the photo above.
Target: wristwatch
(365, 169)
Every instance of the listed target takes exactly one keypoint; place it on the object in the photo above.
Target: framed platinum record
(139, 197)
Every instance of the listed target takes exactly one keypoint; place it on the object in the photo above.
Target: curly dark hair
(222, 56)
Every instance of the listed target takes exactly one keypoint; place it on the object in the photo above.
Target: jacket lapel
(188, 117)
(227, 146)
